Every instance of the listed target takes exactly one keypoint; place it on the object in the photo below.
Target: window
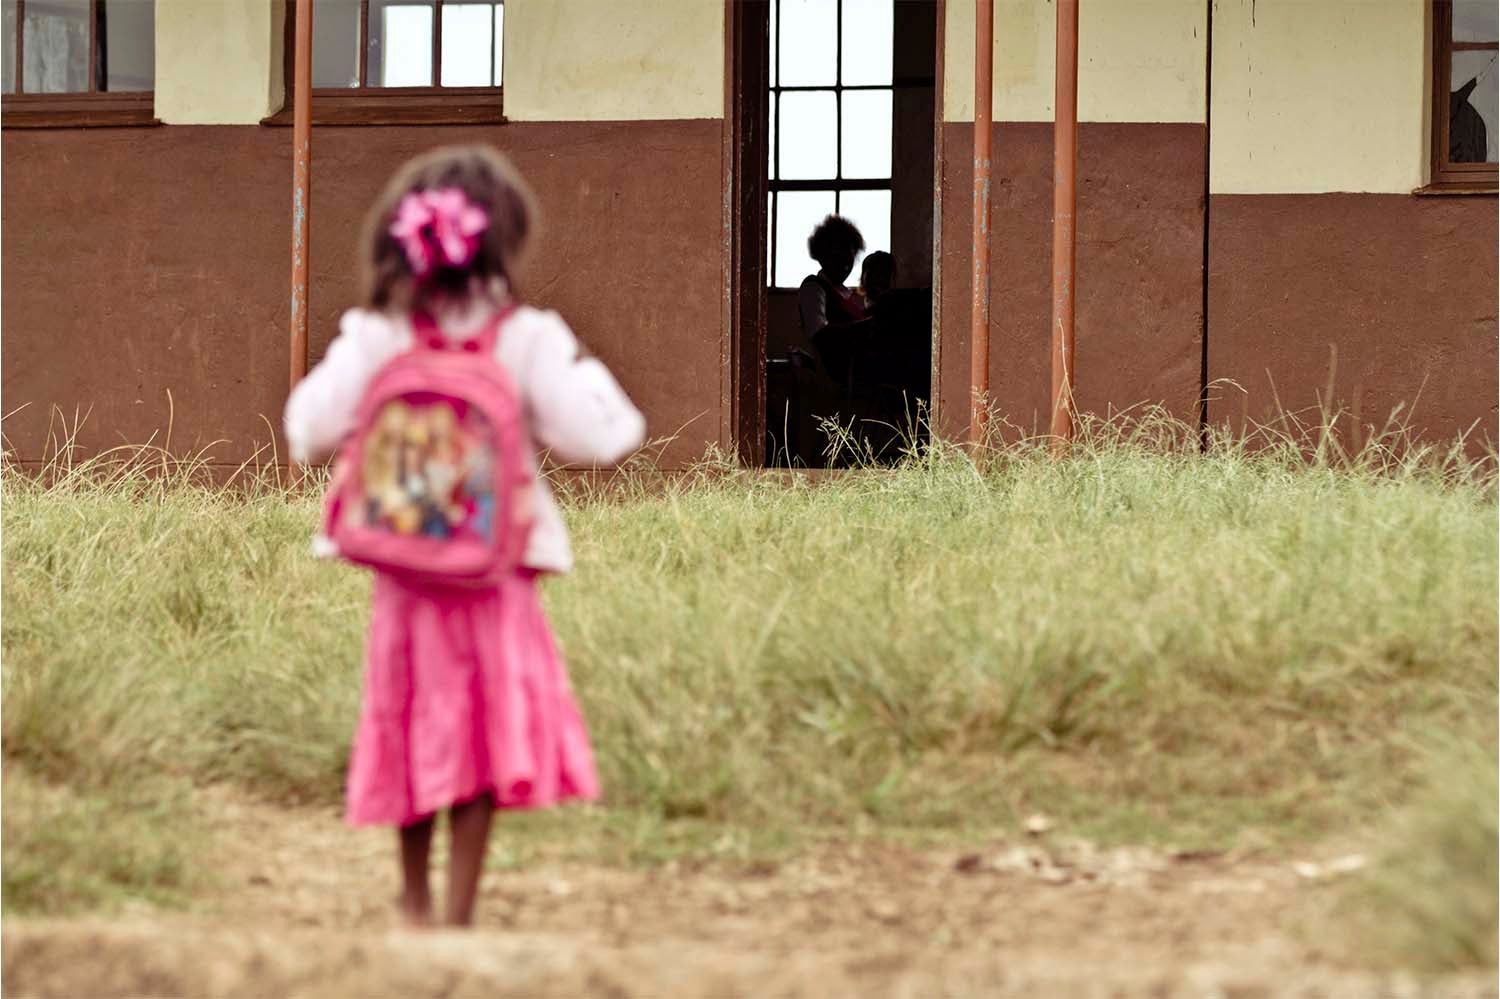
(1466, 98)
(403, 61)
(829, 126)
(77, 62)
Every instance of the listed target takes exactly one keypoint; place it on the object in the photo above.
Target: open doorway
(837, 100)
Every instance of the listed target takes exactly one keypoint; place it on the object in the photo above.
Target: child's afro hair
(833, 234)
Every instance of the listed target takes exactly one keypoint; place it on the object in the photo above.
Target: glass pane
(870, 211)
(127, 53)
(500, 47)
(400, 43)
(8, 47)
(468, 37)
(772, 43)
(868, 42)
(1476, 21)
(771, 137)
(335, 44)
(798, 212)
(809, 43)
(1472, 118)
(56, 47)
(866, 134)
(809, 135)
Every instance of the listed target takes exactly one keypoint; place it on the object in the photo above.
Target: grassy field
(1256, 645)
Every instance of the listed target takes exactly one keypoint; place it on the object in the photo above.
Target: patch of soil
(304, 908)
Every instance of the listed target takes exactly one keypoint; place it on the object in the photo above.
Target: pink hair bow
(438, 226)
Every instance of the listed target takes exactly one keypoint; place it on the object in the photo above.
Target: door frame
(939, 173)
(746, 103)
(742, 425)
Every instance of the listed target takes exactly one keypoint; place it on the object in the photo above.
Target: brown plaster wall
(1394, 295)
(1140, 249)
(145, 261)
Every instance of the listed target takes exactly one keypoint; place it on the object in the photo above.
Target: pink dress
(464, 692)
(464, 695)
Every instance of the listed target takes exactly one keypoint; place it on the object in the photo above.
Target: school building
(1280, 197)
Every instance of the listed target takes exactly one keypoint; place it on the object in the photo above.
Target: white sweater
(575, 408)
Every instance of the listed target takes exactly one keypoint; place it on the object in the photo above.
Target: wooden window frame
(365, 105)
(1452, 178)
(92, 108)
(838, 183)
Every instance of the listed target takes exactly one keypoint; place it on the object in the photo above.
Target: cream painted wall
(590, 60)
(218, 62)
(1319, 96)
(1138, 60)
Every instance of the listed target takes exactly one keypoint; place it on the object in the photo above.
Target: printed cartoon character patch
(429, 469)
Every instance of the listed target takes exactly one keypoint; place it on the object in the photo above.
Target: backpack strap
(432, 338)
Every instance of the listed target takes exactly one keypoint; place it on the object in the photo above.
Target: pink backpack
(435, 483)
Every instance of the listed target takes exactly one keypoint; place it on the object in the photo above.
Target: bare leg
(416, 897)
(470, 827)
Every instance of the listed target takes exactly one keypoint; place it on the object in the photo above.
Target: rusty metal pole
(979, 339)
(1064, 219)
(301, 183)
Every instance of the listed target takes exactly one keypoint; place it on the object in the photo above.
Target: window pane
(870, 211)
(809, 43)
(468, 36)
(772, 42)
(127, 57)
(56, 47)
(868, 42)
(866, 134)
(1472, 108)
(797, 213)
(500, 44)
(809, 135)
(335, 44)
(400, 43)
(8, 47)
(1476, 21)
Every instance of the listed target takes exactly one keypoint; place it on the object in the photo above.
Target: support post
(1208, 131)
(1064, 223)
(301, 182)
(979, 338)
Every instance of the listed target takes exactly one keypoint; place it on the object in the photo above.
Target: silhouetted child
(876, 275)
(467, 706)
(823, 299)
(831, 312)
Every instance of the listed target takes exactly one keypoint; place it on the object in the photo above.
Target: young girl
(467, 706)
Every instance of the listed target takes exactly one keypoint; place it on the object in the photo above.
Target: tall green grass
(67, 846)
(1429, 901)
(1145, 641)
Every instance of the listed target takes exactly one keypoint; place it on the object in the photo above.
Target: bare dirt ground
(303, 908)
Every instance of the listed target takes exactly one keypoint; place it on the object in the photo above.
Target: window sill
(455, 106)
(77, 111)
(1458, 189)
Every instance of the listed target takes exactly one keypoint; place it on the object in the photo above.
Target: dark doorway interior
(847, 100)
